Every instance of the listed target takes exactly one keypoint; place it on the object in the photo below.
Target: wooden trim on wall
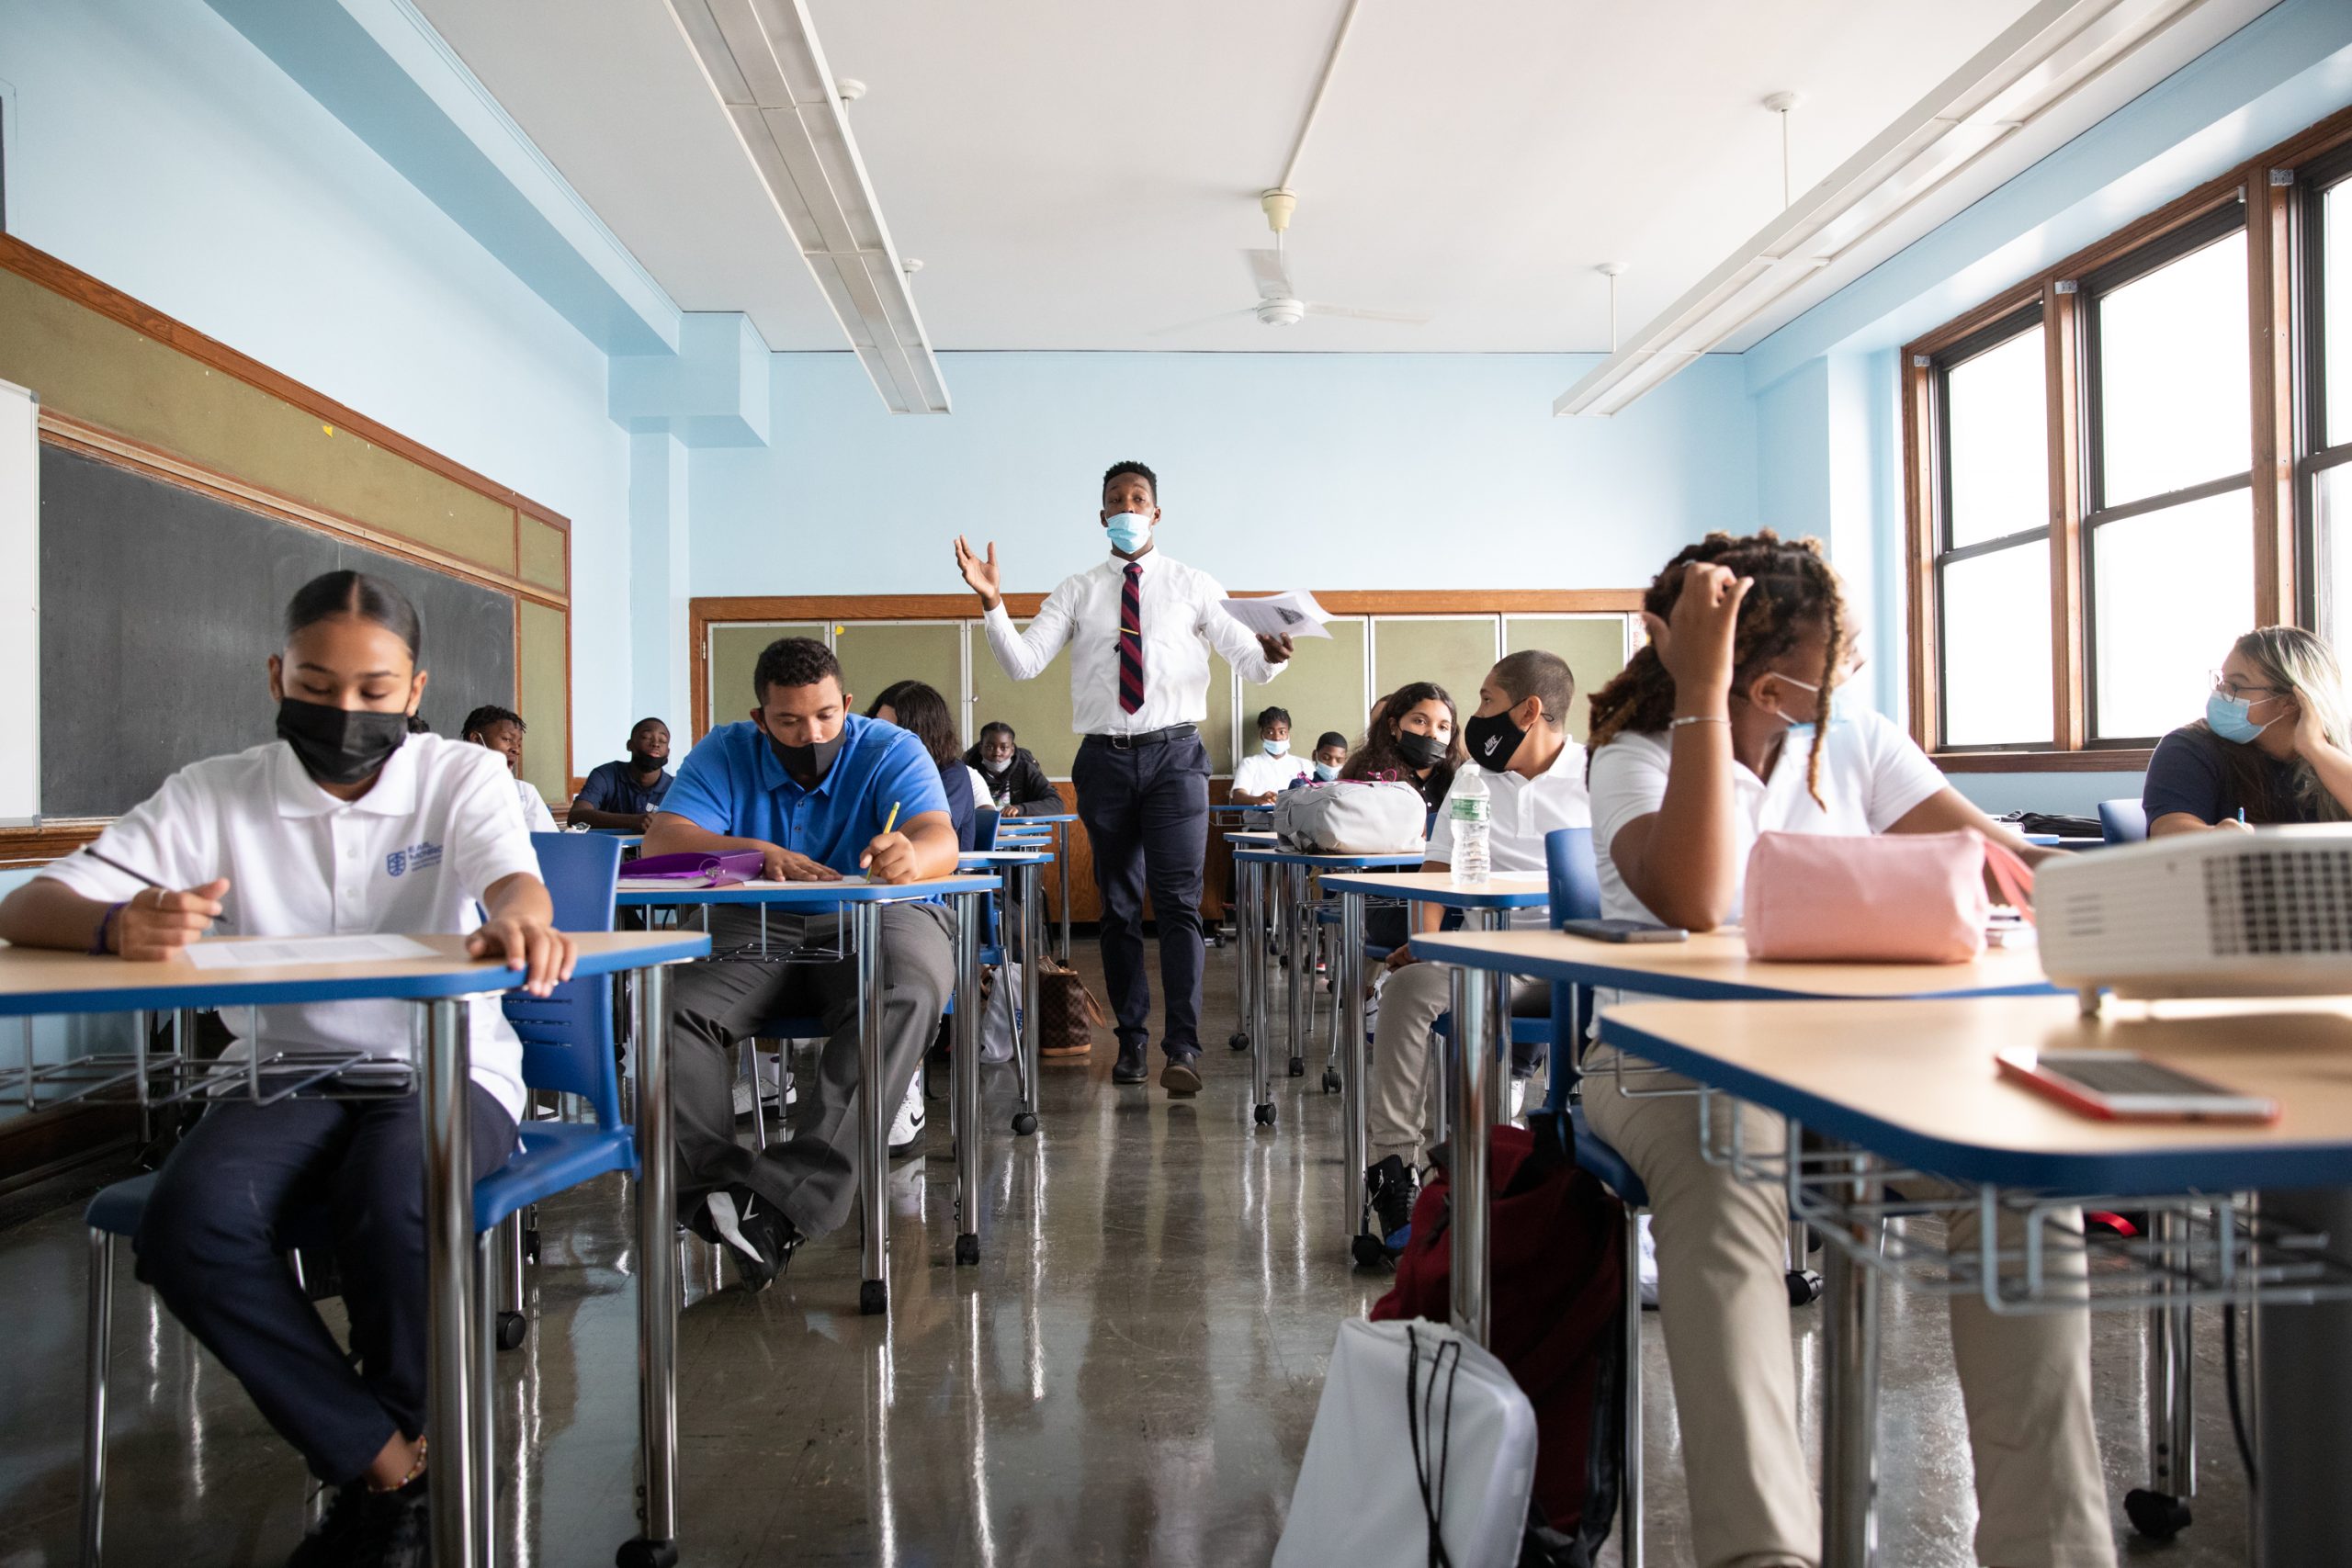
(2061, 326)
(2124, 760)
(1919, 467)
(2270, 303)
(54, 839)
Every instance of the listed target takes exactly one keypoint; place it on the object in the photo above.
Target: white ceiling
(1077, 174)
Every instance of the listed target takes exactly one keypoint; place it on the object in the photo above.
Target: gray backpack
(1370, 817)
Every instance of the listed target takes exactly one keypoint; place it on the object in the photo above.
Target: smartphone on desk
(2123, 1086)
(1625, 930)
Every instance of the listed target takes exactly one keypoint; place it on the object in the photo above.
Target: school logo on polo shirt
(417, 857)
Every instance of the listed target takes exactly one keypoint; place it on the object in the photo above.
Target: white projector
(2260, 914)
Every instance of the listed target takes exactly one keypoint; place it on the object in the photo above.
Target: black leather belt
(1148, 737)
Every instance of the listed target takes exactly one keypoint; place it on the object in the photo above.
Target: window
(2169, 537)
(2120, 466)
(1993, 553)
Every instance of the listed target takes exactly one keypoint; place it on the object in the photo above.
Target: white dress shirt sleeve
(1230, 638)
(1023, 654)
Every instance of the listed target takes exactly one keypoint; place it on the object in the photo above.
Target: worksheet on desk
(254, 953)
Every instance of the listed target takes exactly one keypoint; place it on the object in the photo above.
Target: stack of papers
(1294, 613)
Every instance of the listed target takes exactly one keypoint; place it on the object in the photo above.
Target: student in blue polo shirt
(812, 786)
(625, 794)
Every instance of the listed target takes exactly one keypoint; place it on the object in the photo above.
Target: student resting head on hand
(346, 823)
(2271, 748)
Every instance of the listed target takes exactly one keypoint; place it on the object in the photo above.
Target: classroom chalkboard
(161, 608)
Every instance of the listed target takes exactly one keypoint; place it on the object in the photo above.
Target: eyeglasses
(2238, 691)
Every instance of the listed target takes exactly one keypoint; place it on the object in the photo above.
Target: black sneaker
(758, 1237)
(1389, 1188)
(1129, 1067)
(365, 1529)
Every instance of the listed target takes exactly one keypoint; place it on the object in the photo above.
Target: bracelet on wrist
(98, 948)
(1699, 718)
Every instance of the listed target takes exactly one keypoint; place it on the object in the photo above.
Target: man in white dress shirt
(1139, 627)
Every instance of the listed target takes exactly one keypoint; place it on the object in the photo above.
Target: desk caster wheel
(1265, 1114)
(967, 1249)
(2158, 1516)
(512, 1328)
(644, 1554)
(1024, 1122)
(1368, 1252)
(1331, 1084)
(1804, 1287)
(1298, 1066)
(1241, 1040)
(873, 1297)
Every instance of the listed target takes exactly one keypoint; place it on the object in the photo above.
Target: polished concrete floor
(1127, 1377)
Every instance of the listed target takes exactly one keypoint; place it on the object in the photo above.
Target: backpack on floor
(1555, 1252)
(1422, 1455)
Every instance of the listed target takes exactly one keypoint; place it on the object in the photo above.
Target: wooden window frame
(2276, 297)
(2308, 406)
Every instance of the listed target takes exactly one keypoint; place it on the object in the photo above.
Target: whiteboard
(20, 600)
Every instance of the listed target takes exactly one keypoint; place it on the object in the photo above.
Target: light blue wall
(1828, 385)
(155, 148)
(1278, 471)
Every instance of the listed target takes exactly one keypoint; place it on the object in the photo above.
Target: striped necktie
(1131, 639)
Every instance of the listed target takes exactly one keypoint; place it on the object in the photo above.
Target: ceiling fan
(1278, 302)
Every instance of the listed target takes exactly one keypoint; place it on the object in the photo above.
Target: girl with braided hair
(1720, 729)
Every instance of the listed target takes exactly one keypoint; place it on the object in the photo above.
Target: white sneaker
(1649, 1265)
(1518, 1098)
(774, 1088)
(906, 1133)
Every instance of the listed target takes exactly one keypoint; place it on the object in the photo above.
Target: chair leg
(98, 1351)
(1629, 1547)
(750, 1061)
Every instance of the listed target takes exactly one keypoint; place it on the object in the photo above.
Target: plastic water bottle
(1469, 809)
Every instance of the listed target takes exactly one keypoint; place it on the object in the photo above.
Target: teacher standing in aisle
(1139, 626)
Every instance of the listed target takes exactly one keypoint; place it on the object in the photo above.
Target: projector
(2261, 914)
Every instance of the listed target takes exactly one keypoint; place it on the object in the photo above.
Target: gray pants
(1406, 1088)
(812, 1177)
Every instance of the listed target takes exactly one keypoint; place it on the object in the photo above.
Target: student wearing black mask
(812, 786)
(1415, 738)
(623, 795)
(347, 823)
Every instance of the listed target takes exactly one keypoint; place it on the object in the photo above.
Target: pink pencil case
(1887, 899)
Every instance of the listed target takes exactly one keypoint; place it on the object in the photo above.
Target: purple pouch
(694, 868)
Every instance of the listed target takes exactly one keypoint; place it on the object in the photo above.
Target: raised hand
(160, 922)
(1277, 649)
(979, 574)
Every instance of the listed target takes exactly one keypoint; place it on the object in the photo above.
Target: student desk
(35, 981)
(1248, 915)
(1914, 1085)
(1267, 872)
(862, 903)
(1061, 822)
(1019, 868)
(1485, 907)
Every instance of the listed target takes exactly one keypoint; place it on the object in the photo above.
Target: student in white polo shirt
(346, 824)
(1720, 729)
(1535, 776)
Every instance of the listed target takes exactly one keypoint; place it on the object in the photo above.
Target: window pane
(2171, 590)
(1996, 649)
(2173, 358)
(2332, 488)
(1994, 412)
(2336, 293)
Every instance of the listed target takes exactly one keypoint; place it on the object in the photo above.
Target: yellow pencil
(894, 819)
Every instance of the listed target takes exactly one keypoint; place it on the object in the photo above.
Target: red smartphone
(2123, 1086)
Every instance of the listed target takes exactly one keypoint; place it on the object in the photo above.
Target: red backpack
(1557, 1258)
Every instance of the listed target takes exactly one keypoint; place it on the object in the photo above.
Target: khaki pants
(2025, 1382)
(1406, 1086)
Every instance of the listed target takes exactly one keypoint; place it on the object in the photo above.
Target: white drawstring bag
(1422, 1456)
(999, 1025)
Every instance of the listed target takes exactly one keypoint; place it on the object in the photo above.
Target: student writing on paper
(624, 795)
(2275, 744)
(814, 787)
(346, 823)
(1271, 769)
(1015, 782)
(1721, 727)
(1536, 779)
(501, 729)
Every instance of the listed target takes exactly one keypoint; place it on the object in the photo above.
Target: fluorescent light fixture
(2054, 50)
(762, 59)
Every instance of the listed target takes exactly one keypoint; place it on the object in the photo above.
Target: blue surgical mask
(1325, 772)
(2230, 718)
(1128, 532)
(1276, 748)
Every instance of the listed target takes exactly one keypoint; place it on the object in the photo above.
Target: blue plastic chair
(2122, 821)
(567, 1047)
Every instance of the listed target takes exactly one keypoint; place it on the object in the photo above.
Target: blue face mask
(1325, 772)
(1276, 748)
(1128, 532)
(2229, 718)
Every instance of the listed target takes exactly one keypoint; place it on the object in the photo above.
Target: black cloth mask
(339, 746)
(811, 763)
(1493, 742)
(640, 763)
(1420, 751)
